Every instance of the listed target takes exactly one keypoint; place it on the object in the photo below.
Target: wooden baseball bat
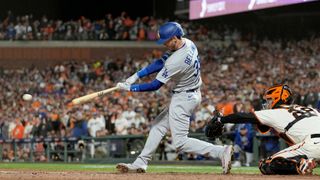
(91, 96)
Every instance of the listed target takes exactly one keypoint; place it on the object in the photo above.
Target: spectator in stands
(269, 145)
(7, 155)
(48, 32)
(243, 144)
(18, 131)
(5, 129)
(96, 126)
(11, 32)
(109, 26)
(19, 31)
(39, 128)
(121, 125)
(129, 114)
(28, 128)
(133, 130)
(139, 119)
(79, 125)
(54, 124)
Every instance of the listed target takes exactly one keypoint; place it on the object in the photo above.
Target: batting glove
(132, 79)
(124, 86)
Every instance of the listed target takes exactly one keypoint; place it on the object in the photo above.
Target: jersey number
(299, 113)
(196, 65)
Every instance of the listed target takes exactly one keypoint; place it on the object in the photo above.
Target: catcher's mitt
(214, 127)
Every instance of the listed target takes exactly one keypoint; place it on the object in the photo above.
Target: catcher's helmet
(169, 30)
(277, 95)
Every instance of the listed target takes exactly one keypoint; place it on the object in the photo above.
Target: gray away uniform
(183, 68)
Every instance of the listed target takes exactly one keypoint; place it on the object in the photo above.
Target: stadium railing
(109, 149)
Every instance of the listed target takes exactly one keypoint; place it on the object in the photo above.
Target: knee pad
(264, 166)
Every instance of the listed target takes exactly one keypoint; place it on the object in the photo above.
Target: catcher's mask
(276, 96)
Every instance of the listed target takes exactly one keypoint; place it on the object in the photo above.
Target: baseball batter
(299, 126)
(181, 65)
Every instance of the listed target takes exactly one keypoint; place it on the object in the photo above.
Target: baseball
(27, 97)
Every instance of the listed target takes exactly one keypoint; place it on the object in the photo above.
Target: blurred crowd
(235, 70)
(122, 27)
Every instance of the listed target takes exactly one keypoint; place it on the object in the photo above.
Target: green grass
(111, 168)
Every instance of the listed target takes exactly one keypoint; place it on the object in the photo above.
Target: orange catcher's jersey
(297, 122)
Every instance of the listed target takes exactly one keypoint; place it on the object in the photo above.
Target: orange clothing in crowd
(54, 116)
(226, 108)
(36, 105)
(128, 22)
(18, 132)
(49, 88)
(48, 30)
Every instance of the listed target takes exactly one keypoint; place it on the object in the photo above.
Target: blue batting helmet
(168, 30)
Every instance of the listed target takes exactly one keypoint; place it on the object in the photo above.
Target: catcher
(299, 126)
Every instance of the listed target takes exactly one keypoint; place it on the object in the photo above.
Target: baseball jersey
(182, 67)
(297, 122)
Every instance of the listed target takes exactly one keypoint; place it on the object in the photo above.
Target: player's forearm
(156, 66)
(238, 118)
(154, 85)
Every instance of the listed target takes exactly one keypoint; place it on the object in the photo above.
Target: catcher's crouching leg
(278, 165)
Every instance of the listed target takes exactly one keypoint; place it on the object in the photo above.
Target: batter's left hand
(124, 86)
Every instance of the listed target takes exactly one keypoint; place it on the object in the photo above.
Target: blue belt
(187, 91)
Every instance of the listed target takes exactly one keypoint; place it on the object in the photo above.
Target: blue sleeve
(156, 66)
(154, 85)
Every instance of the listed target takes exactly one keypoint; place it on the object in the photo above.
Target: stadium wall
(18, 54)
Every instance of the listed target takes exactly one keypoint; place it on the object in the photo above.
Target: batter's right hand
(132, 79)
(124, 86)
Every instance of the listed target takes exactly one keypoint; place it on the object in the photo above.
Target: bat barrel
(91, 96)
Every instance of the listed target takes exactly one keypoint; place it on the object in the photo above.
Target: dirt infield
(35, 175)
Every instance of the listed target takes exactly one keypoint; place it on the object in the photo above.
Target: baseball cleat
(306, 166)
(129, 168)
(226, 159)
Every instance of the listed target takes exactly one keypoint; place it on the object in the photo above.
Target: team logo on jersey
(165, 73)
